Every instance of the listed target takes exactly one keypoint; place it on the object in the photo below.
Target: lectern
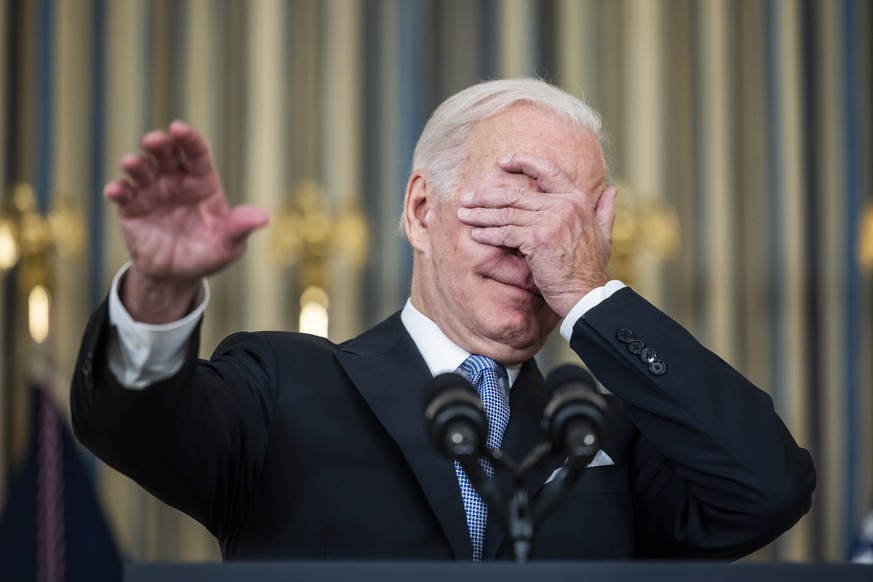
(504, 572)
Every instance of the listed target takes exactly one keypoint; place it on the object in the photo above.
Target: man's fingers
(159, 145)
(515, 197)
(479, 216)
(181, 147)
(549, 175)
(499, 236)
(139, 168)
(156, 139)
(118, 191)
(192, 148)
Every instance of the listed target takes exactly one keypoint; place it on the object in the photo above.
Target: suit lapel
(391, 375)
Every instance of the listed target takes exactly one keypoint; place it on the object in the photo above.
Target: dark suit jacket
(289, 446)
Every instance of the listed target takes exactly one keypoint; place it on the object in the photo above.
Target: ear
(416, 210)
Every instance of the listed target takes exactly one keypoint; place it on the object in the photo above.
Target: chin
(528, 310)
(521, 331)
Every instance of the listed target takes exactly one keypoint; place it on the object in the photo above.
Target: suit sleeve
(715, 471)
(196, 440)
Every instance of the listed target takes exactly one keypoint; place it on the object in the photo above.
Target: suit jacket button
(635, 347)
(648, 355)
(625, 335)
(657, 368)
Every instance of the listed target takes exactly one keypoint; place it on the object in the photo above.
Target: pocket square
(601, 459)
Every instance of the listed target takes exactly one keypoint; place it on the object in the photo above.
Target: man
(289, 446)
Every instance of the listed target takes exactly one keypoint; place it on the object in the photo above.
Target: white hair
(444, 141)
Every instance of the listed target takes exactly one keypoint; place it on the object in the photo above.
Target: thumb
(240, 221)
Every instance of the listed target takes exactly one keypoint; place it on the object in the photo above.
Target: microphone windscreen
(574, 407)
(569, 374)
(453, 407)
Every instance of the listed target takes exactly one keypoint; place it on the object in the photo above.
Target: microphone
(455, 419)
(574, 418)
(457, 428)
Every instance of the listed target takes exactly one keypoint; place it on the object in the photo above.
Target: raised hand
(563, 231)
(176, 222)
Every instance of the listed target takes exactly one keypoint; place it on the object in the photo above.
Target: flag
(51, 527)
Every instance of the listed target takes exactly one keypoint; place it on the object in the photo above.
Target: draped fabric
(748, 122)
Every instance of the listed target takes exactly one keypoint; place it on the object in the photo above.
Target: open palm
(174, 215)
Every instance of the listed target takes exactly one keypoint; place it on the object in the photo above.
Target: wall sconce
(308, 235)
(865, 239)
(10, 252)
(642, 223)
(27, 239)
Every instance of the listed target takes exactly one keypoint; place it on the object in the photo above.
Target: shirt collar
(441, 354)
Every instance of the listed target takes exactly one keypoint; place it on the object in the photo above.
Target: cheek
(455, 241)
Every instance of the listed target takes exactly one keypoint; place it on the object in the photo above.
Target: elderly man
(290, 446)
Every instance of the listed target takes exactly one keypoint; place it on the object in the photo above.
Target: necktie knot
(480, 369)
(486, 375)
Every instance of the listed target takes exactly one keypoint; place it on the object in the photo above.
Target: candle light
(313, 311)
(38, 305)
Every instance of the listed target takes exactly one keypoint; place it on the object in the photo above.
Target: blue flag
(51, 527)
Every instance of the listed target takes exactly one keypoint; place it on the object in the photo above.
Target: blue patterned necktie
(485, 375)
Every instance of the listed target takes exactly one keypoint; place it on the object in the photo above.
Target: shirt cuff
(142, 353)
(591, 299)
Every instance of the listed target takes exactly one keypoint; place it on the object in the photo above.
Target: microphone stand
(556, 490)
(521, 525)
(513, 513)
(519, 517)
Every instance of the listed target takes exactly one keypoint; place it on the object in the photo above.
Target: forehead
(528, 128)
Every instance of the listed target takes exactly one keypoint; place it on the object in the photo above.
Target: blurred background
(741, 137)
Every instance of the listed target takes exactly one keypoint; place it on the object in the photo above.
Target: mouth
(528, 287)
